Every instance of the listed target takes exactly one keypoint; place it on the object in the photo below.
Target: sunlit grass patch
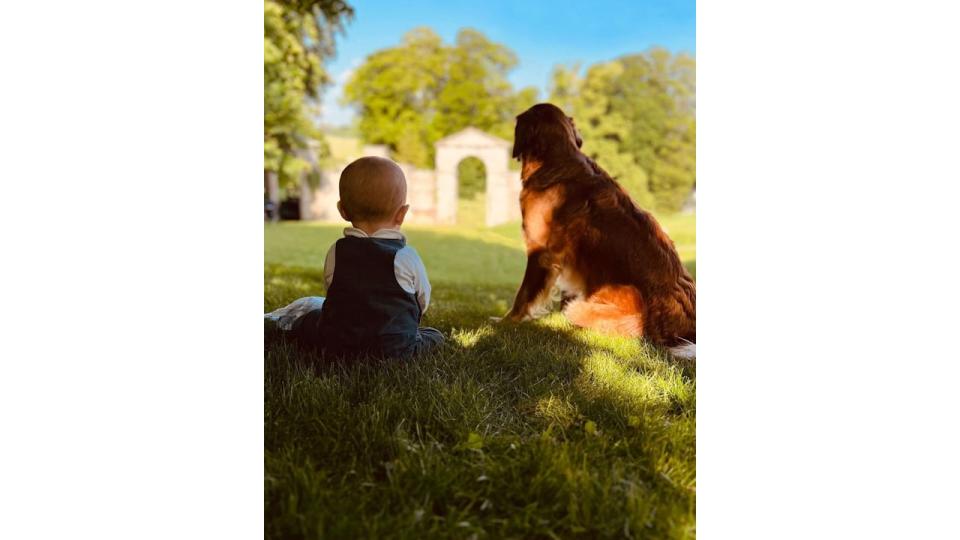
(631, 390)
(532, 430)
(557, 410)
(468, 338)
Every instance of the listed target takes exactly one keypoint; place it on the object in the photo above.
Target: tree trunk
(273, 193)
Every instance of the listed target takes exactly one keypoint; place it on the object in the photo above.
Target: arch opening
(471, 192)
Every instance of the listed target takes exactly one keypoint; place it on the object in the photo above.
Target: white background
(131, 393)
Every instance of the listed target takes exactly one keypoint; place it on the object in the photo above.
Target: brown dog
(618, 271)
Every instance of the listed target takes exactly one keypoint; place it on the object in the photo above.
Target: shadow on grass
(534, 430)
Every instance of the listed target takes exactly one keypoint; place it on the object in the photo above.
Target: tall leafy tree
(298, 36)
(411, 95)
(637, 115)
(659, 100)
(396, 89)
(603, 127)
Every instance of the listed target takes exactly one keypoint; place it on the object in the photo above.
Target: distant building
(432, 194)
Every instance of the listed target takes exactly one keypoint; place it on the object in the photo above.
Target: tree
(603, 128)
(659, 100)
(422, 90)
(637, 116)
(298, 36)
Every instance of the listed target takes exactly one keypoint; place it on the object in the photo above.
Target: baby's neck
(371, 227)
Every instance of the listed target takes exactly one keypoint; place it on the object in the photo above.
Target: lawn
(537, 430)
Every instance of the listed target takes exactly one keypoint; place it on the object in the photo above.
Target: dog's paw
(514, 318)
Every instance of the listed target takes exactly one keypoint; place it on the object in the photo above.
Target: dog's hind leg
(566, 298)
(568, 288)
(614, 309)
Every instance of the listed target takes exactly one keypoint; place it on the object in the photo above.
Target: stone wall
(321, 203)
(432, 195)
(421, 194)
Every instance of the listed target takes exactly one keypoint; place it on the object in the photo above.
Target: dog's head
(544, 132)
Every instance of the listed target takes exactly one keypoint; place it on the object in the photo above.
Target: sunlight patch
(604, 376)
(295, 284)
(621, 346)
(469, 338)
(554, 320)
(557, 410)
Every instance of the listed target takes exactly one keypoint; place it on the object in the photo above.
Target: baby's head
(373, 194)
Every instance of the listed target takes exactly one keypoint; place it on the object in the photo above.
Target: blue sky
(542, 34)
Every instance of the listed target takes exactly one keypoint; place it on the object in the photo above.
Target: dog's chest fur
(538, 209)
(541, 232)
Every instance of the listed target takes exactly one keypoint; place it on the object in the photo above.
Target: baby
(377, 287)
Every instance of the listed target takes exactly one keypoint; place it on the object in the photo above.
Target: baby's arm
(412, 275)
(328, 266)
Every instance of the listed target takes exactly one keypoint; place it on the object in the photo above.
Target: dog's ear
(525, 136)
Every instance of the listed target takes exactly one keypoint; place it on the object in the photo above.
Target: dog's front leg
(538, 280)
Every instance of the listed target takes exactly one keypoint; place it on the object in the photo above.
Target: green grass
(472, 211)
(537, 430)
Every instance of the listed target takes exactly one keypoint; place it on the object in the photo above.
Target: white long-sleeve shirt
(407, 267)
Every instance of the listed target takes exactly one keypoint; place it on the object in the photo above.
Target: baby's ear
(343, 212)
(401, 214)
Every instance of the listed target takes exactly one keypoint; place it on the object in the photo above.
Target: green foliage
(537, 430)
(422, 90)
(637, 115)
(411, 147)
(298, 35)
(472, 186)
(473, 177)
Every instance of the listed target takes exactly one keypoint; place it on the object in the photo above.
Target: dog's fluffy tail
(685, 351)
(612, 310)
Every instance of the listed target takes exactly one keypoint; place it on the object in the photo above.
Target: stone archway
(503, 185)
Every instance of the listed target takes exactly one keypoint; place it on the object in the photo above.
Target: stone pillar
(446, 188)
(515, 185)
(497, 189)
